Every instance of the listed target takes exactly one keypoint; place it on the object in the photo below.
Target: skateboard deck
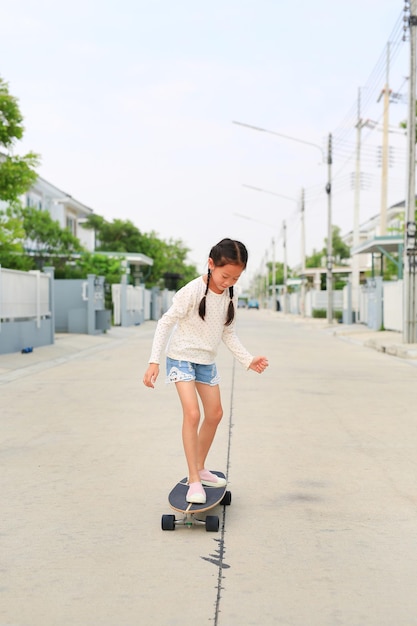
(177, 501)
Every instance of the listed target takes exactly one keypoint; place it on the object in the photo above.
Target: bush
(322, 313)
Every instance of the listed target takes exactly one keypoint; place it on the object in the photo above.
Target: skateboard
(215, 496)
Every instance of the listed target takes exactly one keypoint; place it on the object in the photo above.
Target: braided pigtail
(202, 305)
(231, 309)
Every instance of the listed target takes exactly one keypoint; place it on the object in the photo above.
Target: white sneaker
(211, 480)
(196, 494)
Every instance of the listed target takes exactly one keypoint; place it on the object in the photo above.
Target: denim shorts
(183, 371)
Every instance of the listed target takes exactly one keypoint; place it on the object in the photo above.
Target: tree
(169, 257)
(279, 273)
(341, 252)
(46, 241)
(403, 124)
(16, 176)
(16, 172)
(340, 249)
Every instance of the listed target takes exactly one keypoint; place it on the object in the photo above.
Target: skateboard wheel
(227, 499)
(212, 523)
(168, 522)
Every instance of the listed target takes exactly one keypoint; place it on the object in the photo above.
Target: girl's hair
(226, 252)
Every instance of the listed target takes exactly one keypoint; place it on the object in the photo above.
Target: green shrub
(322, 313)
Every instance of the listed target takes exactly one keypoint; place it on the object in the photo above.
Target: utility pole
(356, 257)
(274, 276)
(284, 232)
(329, 281)
(410, 243)
(303, 257)
(384, 154)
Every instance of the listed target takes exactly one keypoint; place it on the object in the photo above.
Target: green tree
(341, 252)
(279, 273)
(16, 172)
(46, 241)
(169, 257)
(316, 258)
(94, 263)
(16, 176)
(403, 124)
(340, 249)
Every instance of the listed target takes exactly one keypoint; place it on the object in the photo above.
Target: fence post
(91, 311)
(51, 273)
(123, 301)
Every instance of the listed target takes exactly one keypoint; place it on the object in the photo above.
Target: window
(71, 224)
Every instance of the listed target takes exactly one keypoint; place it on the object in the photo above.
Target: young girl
(203, 315)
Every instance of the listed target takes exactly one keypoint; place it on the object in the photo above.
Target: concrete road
(321, 457)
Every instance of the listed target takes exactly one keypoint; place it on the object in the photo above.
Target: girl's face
(224, 276)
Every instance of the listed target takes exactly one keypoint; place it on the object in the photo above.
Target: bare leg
(213, 413)
(191, 419)
(197, 443)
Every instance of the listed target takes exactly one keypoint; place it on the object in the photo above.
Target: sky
(131, 105)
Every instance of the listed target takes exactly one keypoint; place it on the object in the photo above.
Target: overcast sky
(130, 105)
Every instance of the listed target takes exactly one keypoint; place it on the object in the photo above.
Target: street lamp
(273, 132)
(284, 228)
(251, 219)
(328, 188)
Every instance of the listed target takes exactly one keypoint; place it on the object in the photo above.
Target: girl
(203, 314)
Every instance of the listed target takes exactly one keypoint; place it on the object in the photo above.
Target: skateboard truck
(169, 522)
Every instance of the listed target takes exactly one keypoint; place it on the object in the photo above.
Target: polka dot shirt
(191, 338)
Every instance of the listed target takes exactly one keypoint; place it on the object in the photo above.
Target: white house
(372, 244)
(70, 213)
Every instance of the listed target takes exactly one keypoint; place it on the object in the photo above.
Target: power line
(373, 83)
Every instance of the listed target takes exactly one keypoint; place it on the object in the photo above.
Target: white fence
(317, 300)
(26, 310)
(24, 295)
(135, 303)
(393, 305)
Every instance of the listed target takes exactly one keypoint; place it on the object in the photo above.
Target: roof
(133, 258)
(388, 243)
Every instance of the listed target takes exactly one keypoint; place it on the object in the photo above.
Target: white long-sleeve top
(193, 339)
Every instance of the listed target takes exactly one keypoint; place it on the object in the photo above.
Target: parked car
(253, 304)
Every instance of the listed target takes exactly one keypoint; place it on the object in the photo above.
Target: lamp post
(274, 273)
(284, 230)
(328, 188)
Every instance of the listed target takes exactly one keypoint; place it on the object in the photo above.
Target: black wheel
(212, 523)
(227, 499)
(168, 522)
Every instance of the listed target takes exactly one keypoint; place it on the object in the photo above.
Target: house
(374, 246)
(63, 208)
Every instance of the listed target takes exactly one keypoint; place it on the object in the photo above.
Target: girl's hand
(151, 375)
(259, 364)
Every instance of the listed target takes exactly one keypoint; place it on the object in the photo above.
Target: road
(320, 455)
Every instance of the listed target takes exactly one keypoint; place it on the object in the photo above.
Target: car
(253, 304)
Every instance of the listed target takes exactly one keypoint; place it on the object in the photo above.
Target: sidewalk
(67, 346)
(388, 341)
